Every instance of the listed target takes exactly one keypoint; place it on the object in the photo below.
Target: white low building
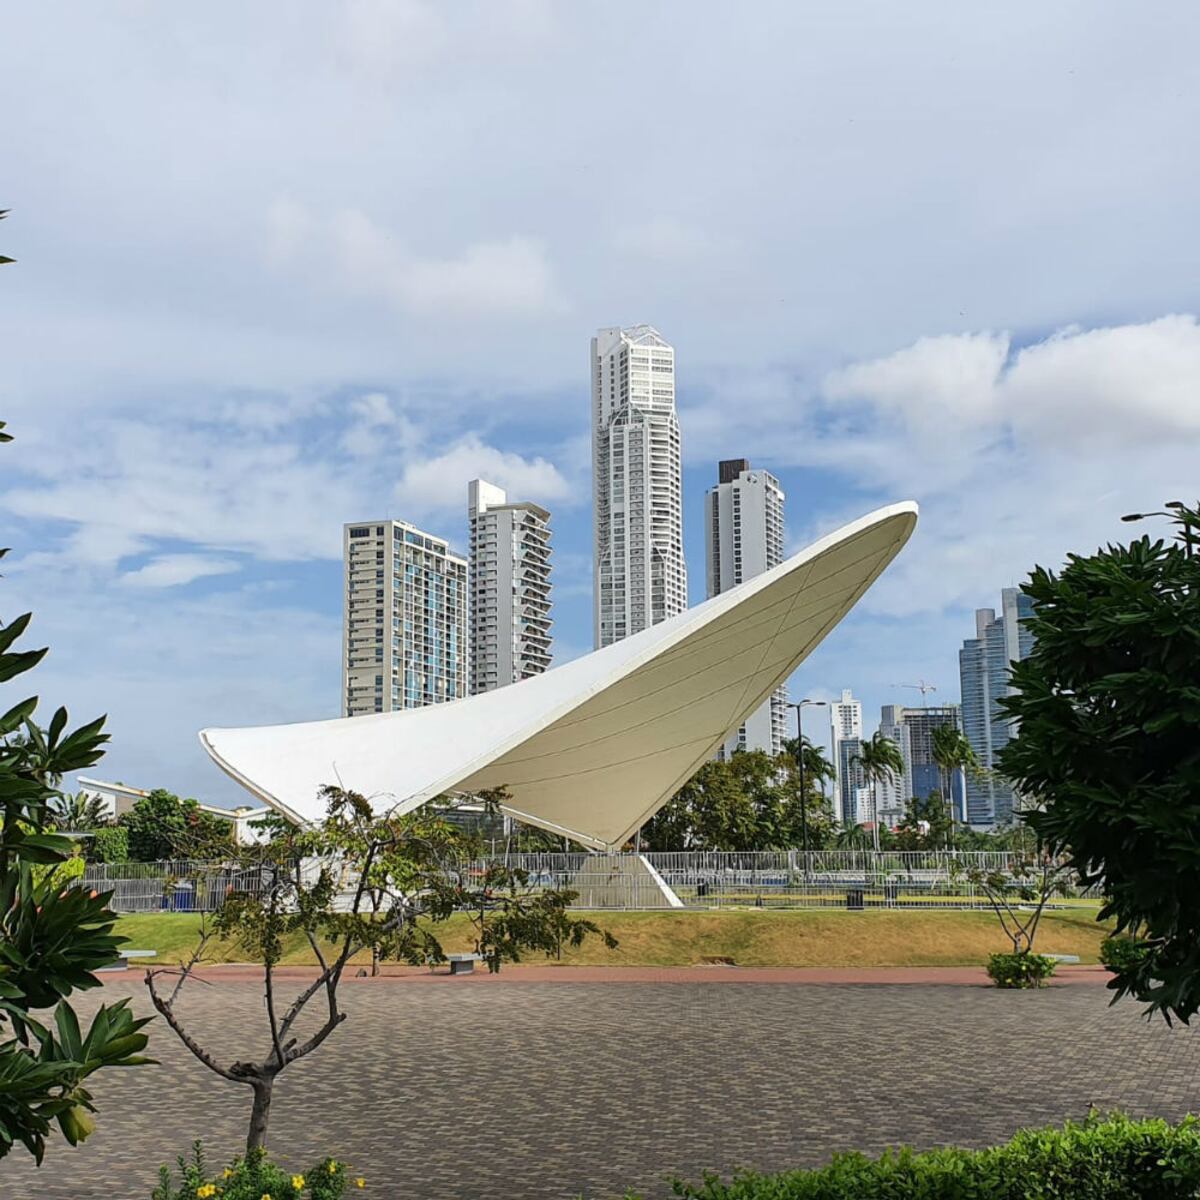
(119, 798)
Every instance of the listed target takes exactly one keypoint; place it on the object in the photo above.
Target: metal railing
(767, 879)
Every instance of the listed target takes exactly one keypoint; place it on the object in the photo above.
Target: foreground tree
(1109, 745)
(53, 933)
(357, 883)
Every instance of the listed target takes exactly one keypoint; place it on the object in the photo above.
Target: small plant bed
(254, 1177)
(1021, 970)
(1102, 1158)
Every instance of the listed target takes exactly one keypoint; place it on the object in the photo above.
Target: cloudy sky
(285, 265)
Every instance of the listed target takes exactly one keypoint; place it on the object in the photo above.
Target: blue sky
(289, 265)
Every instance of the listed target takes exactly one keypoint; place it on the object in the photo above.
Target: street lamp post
(799, 706)
(1177, 506)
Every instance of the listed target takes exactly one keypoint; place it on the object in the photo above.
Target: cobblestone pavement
(562, 1089)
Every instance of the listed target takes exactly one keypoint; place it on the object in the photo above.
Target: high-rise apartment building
(640, 577)
(854, 794)
(743, 536)
(912, 730)
(510, 587)
(404, 637)
(845, 726)
(983, 665)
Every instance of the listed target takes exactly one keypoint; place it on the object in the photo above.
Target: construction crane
(922, 685)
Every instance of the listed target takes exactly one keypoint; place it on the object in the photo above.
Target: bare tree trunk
(260, 1114)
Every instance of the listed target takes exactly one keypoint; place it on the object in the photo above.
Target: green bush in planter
(1022, 970)
(1102, 1158)
(254, 1177)
(1122, 954)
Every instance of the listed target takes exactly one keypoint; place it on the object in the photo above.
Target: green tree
(357, 883)
(881, 762)
(817, 767)
(749, 801)
(162, 826)
(1108, 744)
(927, 824)
(53, 933)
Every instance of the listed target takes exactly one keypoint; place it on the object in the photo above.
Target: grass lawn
(751, 938)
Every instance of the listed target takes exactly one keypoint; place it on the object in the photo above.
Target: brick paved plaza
(528, 1089)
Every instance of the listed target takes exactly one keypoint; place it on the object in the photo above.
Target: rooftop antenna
(922, 685)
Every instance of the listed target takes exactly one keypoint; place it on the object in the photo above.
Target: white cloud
(948, 379)
(173, 570)
(506, 277)
(439, 484)
(1129, 384)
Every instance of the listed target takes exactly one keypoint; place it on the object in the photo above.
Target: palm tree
(953, 755)
(79, 812)
(881, 762)
(816, 766)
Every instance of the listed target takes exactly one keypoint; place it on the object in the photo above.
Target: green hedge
(1110, 1158)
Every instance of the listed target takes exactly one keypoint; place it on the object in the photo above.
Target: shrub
(1102, 1158)
(1121, 953)
(1022, 970)
(109, 844)
(253, 1178)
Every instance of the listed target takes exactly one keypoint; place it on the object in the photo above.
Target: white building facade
(743, 536)
(640, 577)
(510, 588)
(404, 636)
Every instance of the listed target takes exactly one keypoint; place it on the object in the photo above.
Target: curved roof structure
(593, 748)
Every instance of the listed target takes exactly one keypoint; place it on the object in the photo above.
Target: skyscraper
(510, 587)
(404, 636)
(846, 727)
(743, 536)
(983, 665)
(912, 730)
(640, 577)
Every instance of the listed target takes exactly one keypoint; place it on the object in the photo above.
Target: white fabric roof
(595, 747)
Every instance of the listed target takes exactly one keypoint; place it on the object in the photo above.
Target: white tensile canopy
(594, 748)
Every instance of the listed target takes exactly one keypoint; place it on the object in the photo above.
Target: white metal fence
(844, 879)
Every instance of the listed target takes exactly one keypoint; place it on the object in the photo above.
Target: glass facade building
(983, 664)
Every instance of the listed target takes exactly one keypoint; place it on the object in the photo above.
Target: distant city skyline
(321, 321)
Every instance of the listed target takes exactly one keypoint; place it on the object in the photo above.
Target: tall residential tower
(983, 664)
(846, 736)
(743, 536)
(640, 577)
(510, 587)
(404, 635)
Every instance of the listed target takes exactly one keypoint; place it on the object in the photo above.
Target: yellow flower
(360, 1182)
(333, 1166)
(228, 1173)
(297, 1182)
(266, 1196)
